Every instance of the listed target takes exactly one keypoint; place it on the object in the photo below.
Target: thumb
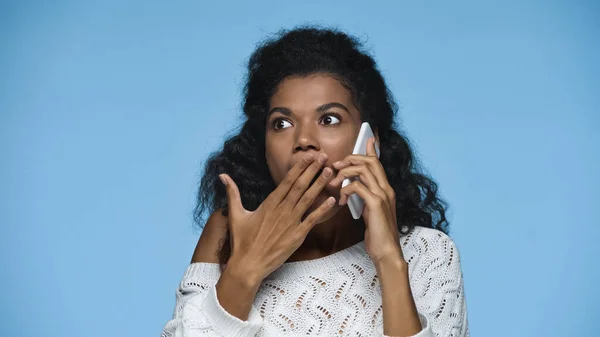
(234, 200)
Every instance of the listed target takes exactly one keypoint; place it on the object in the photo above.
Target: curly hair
(301, 52)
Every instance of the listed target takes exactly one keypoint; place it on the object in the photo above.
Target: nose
(306, 139)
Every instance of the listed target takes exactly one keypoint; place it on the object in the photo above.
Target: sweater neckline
(353, 254)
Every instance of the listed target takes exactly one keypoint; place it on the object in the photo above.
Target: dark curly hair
(300, 52)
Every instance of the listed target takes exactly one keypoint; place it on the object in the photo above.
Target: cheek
(277, 165)
(339, 149)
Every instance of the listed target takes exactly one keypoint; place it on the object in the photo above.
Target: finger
(302, 183)
(375, 166)
(359, 188)
(371, 152)
(361, 171)
(373, 163)
(311, 194)
(364, 174)
(355, 159)
(366, 177)
(234, 201)
(284, 187)
(314, 216)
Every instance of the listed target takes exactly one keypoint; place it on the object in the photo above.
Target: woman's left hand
(379, 214)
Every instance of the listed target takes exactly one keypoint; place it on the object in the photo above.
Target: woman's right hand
(264, 239)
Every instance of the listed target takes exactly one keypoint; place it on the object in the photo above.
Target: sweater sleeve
(198, 311)
(437, 284)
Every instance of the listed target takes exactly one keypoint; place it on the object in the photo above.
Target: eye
(330, 119)
(281, 124)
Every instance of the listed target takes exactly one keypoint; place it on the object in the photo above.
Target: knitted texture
(337, 295)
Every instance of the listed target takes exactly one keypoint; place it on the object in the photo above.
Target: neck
(337, 233)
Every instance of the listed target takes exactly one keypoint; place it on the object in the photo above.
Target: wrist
(244, 276)
(393, 274)
(236, 292)
(392, 261)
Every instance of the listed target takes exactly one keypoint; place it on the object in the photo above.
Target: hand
(264, 239)
(379, 214)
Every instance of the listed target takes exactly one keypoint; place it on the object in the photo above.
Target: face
(312, 114)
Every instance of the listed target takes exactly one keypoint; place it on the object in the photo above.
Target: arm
(436, 284)
(200, 309)
(235, 290)
(400, 316)
(427, 299)
(262, 240)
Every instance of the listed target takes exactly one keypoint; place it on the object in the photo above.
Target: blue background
(108, 109)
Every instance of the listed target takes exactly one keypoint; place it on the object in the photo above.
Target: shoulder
(424, 245)
(212, 237)
(436, 280)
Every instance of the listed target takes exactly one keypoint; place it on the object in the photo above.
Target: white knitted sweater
(337, 295)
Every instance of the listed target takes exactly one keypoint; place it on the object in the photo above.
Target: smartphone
(356, 203)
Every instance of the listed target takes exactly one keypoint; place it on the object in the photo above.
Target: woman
(280, 254)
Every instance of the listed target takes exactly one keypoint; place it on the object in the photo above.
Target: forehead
(310, 91)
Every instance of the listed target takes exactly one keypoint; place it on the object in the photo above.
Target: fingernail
(322, 158)
(309, 157)
(223, 180)
(327, 172)
(337, 163)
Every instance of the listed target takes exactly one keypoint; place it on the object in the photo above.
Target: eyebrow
(320, 109)
(328, 106)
